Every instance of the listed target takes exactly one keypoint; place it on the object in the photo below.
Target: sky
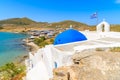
(59, 10)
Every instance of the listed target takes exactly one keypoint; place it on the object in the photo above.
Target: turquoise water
(11, 46)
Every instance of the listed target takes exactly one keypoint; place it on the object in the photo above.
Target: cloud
(118, 1)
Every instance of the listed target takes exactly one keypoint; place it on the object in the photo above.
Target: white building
(40, 65)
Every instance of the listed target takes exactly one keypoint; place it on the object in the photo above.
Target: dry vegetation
(25, 24)
(115, 28)
(115, 49)
(12, 71)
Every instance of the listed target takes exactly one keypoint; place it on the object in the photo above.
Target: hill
(67, 23)
(22, 22)
(28, 24)
(18, 21)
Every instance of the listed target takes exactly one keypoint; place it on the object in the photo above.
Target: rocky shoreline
(32, 47)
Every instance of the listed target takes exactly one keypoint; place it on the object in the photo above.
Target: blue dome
(68, 36)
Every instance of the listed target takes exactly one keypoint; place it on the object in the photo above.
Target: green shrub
(42, 44)
(37, 41)
(42, 38)
(10, 70)
(52, 40)
(1, 27)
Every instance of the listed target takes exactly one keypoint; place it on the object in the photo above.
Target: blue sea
(11, 46)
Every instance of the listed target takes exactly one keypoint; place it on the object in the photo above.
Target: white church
(40, 65)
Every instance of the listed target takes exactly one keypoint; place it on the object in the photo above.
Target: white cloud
(118, 1)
